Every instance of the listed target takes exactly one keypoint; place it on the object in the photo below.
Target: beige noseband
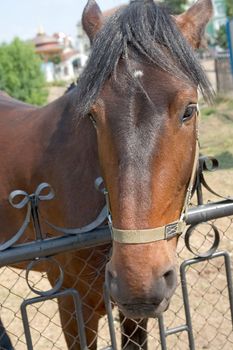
(148, 235)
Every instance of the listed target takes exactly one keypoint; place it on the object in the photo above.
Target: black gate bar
(52, 246)
(209, 211)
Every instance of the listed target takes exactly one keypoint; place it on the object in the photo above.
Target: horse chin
(136, 311)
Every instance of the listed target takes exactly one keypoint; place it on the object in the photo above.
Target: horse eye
(92, 119)
(189, 112)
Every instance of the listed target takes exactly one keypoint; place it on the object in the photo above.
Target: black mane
(149, 30)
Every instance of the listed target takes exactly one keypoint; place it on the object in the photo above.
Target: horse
(132, 119)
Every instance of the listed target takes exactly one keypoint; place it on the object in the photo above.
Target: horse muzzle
(144, 299)
(143, 310)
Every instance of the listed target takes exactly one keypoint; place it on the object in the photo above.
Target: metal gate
(209, 259)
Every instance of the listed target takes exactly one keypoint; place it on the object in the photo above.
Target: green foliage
(229, 8)
(221, 37)
(20, 72)
(55, 59)
(176, 6)
(207, 112)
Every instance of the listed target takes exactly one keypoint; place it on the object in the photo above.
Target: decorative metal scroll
(20, 199)
(191, 231)
(59, 280)
(205, 164)
(210, 164)
(44, 192)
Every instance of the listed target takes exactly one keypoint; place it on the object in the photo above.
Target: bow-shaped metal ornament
(32, 202)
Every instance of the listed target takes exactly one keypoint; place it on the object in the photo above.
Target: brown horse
(132, 120)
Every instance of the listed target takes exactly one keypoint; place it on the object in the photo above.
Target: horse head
(140, 90)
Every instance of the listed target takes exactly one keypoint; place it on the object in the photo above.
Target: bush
(221, 37)
(229, 8)
(175, 6)
(20, 73)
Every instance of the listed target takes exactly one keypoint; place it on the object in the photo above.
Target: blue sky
(23, 17)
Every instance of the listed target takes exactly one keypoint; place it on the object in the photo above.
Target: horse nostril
(170, 278)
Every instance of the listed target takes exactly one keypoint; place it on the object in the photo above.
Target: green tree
(229, 8)
(176, 6)
(20, 72)
(55, 59)
(221, 37)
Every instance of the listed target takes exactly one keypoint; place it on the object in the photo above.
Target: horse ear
(192, 23)
(92, 19)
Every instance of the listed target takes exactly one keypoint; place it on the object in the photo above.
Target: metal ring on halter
(59, 281)
(212, 249)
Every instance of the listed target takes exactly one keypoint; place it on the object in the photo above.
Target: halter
(165, 232)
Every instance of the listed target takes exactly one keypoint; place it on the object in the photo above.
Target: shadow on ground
(225, 160)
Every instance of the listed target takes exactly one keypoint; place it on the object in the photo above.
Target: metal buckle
(171, 230)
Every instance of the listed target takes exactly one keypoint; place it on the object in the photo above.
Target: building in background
(61, 61)
(219, 19)
(83, 42)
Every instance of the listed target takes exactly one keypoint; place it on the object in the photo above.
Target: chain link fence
(224, 77)
(207, 290)
(218, 70)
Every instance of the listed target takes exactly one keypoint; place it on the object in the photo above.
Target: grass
(216, 131)
(208, 111)
(222, 105)
(216, 139)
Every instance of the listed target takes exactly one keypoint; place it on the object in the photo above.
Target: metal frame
(44, 248)
(51, 246)
(195, 216)
(187, 327)
(78, 312)
(164, 333)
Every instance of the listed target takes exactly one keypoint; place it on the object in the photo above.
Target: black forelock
(148, 29)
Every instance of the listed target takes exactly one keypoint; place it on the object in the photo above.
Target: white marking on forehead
(138, 73)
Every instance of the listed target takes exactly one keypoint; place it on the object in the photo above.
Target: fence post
(229, 30)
